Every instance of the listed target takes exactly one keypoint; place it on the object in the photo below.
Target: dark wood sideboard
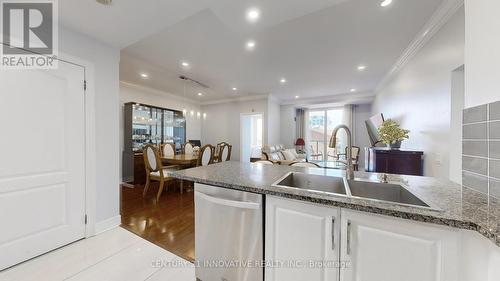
(394, 161)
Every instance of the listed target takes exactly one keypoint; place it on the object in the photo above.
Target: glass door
(317, 135)
(179, 129)
(168, 126)
(321, 125)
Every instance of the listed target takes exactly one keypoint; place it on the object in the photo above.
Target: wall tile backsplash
(481, 149)
(495, 168)
(475, 148)
(475, 165)
(495, 130)
(475, 131)
(495, 111)
(475, 114)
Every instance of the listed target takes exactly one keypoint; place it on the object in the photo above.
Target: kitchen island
(441, 235)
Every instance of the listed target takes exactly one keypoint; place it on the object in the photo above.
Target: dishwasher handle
(226, 202)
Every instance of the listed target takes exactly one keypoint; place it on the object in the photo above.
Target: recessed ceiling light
(253, 14)
(296, 97)
(386, 3)
(144, 75)
(200, 94)
(283, 81)
(185, 63)
(361, 67)
(250, 45)
(235, 89)
(353, 90)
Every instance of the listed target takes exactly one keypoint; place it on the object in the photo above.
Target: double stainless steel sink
(387, 192)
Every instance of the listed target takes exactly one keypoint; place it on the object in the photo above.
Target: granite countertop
(453, 205)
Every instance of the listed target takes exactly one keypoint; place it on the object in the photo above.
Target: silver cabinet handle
(333, 233)
(349, 237)
(225, 202)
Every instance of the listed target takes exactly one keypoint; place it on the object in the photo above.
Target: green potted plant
(392, 134)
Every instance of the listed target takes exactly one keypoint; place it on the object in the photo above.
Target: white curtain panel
(299, 121)
(307, 132)
(347, 119)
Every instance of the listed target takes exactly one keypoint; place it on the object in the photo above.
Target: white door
(305, 237)
(382, 248)
(42, 167)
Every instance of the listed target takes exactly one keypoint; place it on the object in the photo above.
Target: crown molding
(350, 98)
(236, 99)
(440, 17)
(156, 92)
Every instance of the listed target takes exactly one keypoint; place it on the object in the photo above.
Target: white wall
(361, 113)
(457, 107)
(223, 122)
(287, 126)
(274, 116)
(419, 96)
(104, 80)
(482, 58)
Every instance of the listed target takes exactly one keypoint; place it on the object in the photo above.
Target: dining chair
(168, 149)
(355, 157)
(225, 153)
(188, 148)
(315, 154)
(206, 156)
(155, 171)
(217, 150)
(305, 165)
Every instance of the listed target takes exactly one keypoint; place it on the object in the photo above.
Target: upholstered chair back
(188, 148)
(206, 155)
(168, 149)
(151, 158)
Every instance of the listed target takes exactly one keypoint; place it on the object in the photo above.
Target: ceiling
(316, 44)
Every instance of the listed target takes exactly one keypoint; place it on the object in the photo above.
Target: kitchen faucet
(333, 144)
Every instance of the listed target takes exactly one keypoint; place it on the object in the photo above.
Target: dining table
(180, 159)
(184, 161)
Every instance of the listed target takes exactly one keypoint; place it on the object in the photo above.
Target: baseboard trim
(108, 224)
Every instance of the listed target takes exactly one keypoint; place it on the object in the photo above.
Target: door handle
(349, 237)
(226, 202)
(333, 233)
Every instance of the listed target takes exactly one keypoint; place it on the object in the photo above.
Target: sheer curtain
(347, 119)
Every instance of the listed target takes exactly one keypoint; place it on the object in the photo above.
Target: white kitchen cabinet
(381, 248)
(298, 233)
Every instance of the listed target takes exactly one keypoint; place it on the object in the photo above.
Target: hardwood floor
(168, 224)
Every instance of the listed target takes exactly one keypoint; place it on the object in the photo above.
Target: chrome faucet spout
(333, 144)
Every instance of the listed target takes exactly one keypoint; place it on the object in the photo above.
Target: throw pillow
(288, 155)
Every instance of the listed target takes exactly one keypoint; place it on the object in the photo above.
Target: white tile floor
(113, 255)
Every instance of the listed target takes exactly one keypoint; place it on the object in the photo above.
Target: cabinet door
(381, 248)
(305, 237)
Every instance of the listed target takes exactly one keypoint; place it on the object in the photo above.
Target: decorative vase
(396, 145)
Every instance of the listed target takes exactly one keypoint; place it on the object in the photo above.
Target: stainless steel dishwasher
(228, 234)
